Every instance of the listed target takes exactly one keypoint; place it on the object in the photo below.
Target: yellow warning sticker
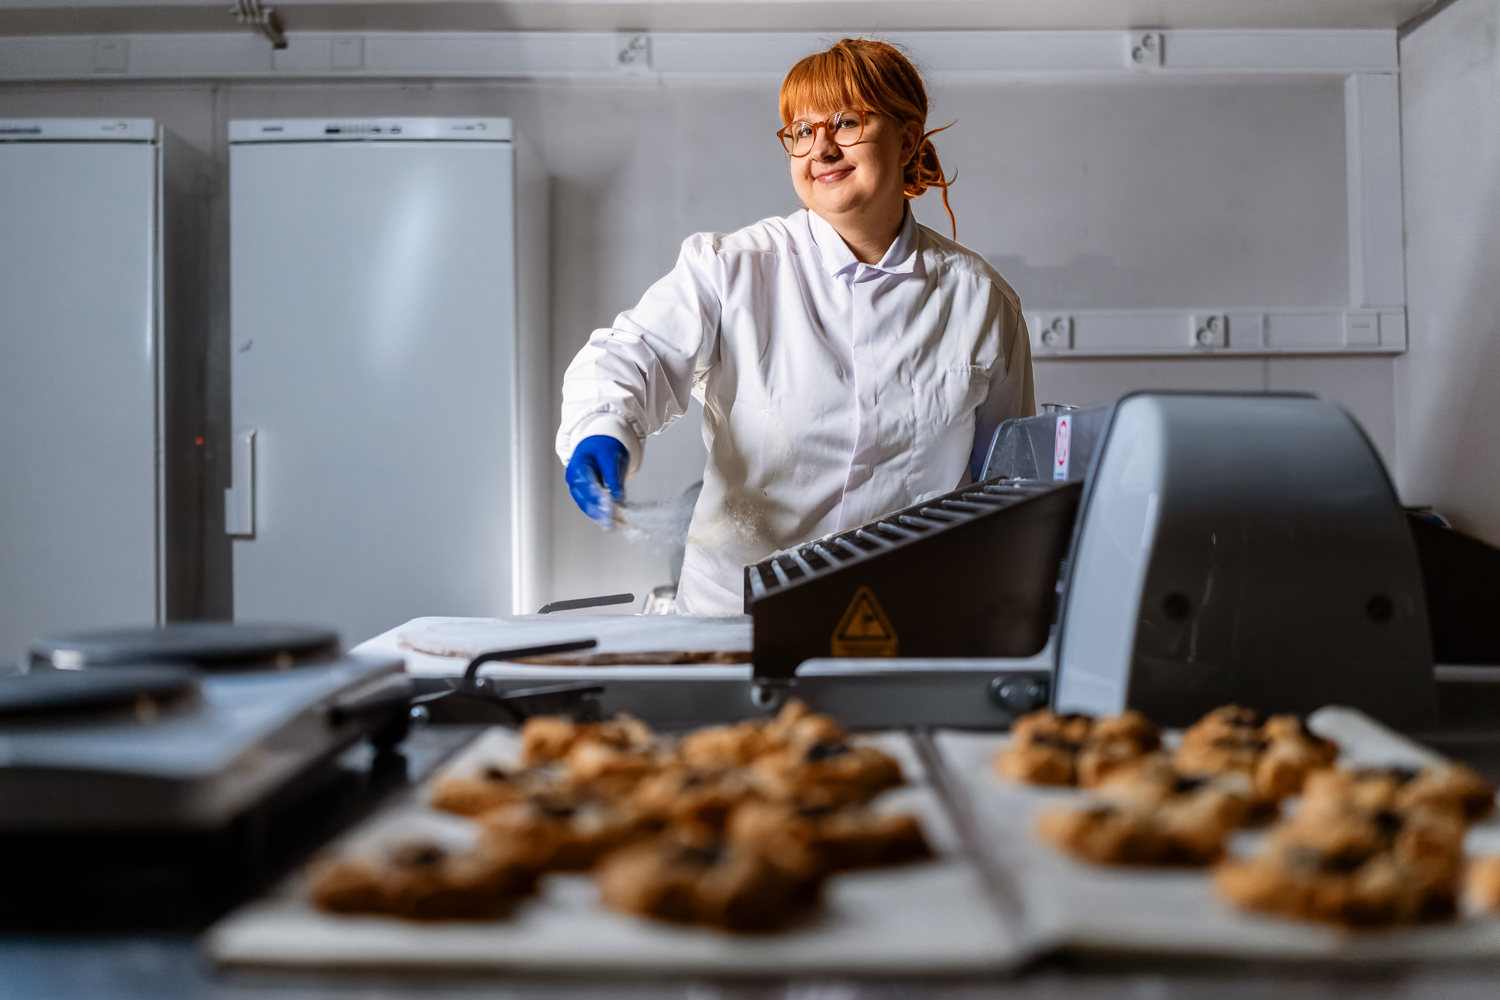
(864, 630)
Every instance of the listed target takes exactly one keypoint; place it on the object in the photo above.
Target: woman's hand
(596, 476)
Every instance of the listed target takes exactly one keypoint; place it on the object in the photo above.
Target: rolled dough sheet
(1174, 912)
(443, 646)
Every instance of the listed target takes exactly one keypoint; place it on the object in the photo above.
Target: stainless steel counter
(171, 968)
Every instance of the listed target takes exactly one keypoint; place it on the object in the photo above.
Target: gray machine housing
(1237, 548)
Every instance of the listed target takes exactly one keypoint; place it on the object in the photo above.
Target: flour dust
(661, 523)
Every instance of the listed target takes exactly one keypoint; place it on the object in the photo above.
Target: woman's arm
(1012, 393)
(636, 377)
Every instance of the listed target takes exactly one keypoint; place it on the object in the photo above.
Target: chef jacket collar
(900, 257)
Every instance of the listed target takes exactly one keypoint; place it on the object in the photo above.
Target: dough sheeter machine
(1169, 552)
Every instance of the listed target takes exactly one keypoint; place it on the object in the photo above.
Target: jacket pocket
(959, 391)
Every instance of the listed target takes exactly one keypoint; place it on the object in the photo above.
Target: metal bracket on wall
(263, 19)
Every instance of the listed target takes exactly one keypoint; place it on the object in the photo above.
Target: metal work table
(172, 967)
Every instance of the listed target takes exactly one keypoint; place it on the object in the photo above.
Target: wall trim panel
(1117, 333)
(683, 56)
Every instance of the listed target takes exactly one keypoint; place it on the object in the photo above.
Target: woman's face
(842, 181)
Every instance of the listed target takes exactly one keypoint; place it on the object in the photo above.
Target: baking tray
(929, 918)
(1163, 912)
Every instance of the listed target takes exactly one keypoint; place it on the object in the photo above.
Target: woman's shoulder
(768, 236)
(941, 254)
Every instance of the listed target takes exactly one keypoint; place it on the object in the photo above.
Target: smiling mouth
(828, 177)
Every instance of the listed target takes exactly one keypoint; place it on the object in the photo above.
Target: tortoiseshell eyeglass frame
(789, 141)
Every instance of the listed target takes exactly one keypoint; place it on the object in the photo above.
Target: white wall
(1101, 194)
(1448, 405)
(1142, 194)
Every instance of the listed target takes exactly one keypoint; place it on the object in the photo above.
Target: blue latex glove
(596, 476)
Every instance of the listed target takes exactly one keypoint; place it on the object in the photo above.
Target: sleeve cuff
(615, 427)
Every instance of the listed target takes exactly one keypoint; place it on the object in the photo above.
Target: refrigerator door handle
(239, 499)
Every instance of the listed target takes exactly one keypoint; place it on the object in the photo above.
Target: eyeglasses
(844, 128)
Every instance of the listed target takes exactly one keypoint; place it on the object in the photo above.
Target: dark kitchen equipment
(157, 795)
(1461, 577)
(205, 645)
(142, 692)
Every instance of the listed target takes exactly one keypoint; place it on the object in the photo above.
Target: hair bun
(924, 171)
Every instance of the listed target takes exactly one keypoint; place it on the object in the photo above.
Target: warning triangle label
(864, 630)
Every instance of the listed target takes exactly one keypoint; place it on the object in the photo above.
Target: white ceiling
(53, 17)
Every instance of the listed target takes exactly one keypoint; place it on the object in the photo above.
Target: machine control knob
(1019, 695)
(770, 695)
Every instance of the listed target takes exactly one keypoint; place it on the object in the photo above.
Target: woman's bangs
(821, 84)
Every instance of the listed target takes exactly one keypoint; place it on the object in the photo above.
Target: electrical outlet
(632, 52)
(1145, 49)
(1054, 333)
(1211, 331)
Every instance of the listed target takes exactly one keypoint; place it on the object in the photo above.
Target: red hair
(860, 74)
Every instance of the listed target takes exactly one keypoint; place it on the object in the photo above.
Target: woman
(850, 362)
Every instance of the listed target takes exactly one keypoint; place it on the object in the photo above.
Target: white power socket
(632, 52)
(1144, 49)
(1054, 333)
(1210, 331)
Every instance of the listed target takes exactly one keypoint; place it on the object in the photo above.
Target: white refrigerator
(100, 473)
(388, 371)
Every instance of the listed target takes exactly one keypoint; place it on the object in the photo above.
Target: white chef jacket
(833, 391)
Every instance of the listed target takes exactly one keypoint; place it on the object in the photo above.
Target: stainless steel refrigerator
(101, 373)
(388, 370)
